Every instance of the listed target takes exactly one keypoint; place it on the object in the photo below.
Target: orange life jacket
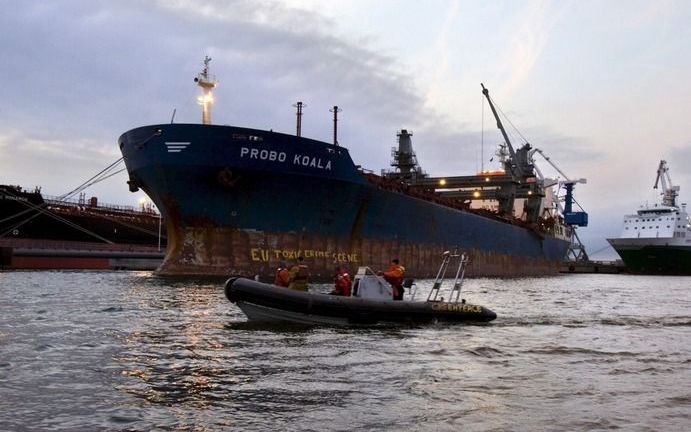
(342, 282)
(394, 275)
(282, 277)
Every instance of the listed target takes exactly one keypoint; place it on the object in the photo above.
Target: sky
(601, 87)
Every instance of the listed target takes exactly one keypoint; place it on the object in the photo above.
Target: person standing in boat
(299, 275)
(394, 276)
(342, 282)
(282, 278)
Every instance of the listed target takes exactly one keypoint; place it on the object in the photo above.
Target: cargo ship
(42, 232)
(237, 201)
(657, 239)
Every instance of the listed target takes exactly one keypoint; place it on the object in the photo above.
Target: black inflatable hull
(269, 303)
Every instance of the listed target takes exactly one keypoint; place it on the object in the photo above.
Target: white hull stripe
(177, 147)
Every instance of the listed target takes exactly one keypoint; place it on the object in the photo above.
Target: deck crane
(515, 168)
(571, 217)
(547, 183)
(669, 191)
(519, 166)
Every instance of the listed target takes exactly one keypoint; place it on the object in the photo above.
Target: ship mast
(207, 82)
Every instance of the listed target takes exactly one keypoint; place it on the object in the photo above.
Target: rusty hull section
(228, 251)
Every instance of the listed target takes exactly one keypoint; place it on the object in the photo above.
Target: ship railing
(73, 245)
(54, 200)
(422, 192)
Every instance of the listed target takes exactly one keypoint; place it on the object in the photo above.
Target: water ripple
(129, 351)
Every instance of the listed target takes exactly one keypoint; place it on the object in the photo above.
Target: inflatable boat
(371, 302)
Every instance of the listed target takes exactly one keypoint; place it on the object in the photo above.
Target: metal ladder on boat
(455, 294)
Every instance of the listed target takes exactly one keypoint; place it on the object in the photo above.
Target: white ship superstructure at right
(657, 239)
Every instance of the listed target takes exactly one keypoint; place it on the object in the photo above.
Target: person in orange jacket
(282, 278)
(394, 276)
(342, 282)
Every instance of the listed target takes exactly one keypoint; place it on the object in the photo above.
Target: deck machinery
(519, 179)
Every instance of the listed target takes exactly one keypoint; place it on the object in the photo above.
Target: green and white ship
(657, 239)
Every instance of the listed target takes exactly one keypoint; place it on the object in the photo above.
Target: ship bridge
(660, 210)
(658, 222)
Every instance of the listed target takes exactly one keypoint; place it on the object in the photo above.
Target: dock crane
(669, 191)
(572, 218)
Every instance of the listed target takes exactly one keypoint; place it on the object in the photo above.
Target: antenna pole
(335, 110)
(299, 107)
(482, 137)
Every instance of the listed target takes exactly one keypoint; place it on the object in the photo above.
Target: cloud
(529, 39)
(437, 87)
(650, 14)
(54, 164)
(96, 69)
(99, 69)
(679, 159)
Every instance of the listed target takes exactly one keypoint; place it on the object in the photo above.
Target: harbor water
(132, 351)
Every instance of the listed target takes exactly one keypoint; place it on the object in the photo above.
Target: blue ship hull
(236, 201)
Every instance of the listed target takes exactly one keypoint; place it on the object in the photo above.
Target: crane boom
(519, 170)
(660, 171)
(574, 218)
(549, 161)
(669, 191)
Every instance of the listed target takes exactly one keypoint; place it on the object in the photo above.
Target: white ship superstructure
(661, 225)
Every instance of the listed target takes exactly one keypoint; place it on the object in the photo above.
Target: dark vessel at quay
(41, 232)
(237, 200)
